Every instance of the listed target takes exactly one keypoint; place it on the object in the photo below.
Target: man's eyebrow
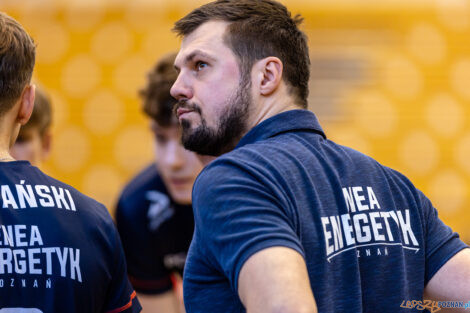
(190, 57)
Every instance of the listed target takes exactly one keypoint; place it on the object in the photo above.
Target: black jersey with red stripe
(59, 249)
(155, 231)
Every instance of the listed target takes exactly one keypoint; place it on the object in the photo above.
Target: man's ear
(26, 104)
(269, 73)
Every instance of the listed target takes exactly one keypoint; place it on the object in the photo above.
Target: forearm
(451, 282)
(275, 280)
(298, 308)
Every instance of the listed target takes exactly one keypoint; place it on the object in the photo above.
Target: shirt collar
(293, 120)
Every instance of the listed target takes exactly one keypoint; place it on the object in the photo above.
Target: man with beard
(286, 220)
(59, 249)
(154, 215)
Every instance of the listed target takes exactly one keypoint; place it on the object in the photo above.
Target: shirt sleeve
(121, 297)
(236, 215)
(145, 267)
(441, 242)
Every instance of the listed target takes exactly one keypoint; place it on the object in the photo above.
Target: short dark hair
(41, 118)
(259, 29)
(17, 57)
(157, 102)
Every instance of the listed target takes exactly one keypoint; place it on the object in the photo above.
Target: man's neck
(5, 138)
(8, 128)
(261, 109)
(5, 156)
(268, 107)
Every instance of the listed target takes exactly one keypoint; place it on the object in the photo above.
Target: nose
(174, 156)
(181, 88)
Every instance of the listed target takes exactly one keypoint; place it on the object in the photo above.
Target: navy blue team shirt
(369, 238)
(156, 232)
(59, 250)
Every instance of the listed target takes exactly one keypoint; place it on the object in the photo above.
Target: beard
(231, 125)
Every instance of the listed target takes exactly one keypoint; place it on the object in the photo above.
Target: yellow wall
(389, 79)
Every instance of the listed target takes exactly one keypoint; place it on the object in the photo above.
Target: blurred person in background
(59, 250)
(34, 140)
(285, 219)
(154, 215)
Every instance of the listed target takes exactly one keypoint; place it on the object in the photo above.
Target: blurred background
(389, 78)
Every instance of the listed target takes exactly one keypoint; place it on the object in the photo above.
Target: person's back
(369, 238)
(59, 250)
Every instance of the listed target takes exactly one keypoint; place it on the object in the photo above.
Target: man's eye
(200, 65)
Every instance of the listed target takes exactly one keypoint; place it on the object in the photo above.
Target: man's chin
(204, 141)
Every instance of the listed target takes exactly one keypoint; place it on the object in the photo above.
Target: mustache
(185, 104)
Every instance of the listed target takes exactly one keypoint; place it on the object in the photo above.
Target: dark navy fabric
(369, 238)
(155, 232)
(59, 250)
